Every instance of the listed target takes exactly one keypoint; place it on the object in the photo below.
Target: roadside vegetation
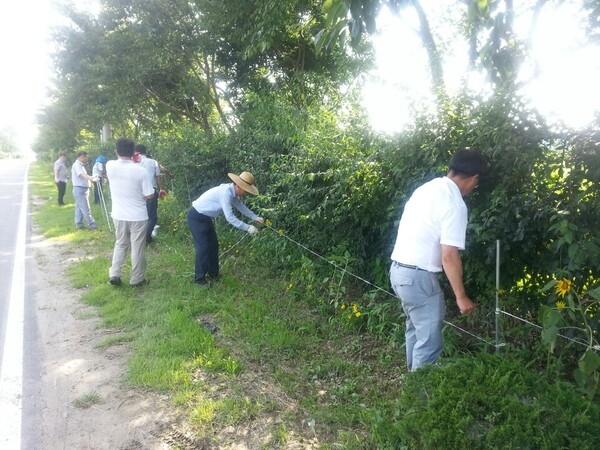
(259, 351)
(301, 337)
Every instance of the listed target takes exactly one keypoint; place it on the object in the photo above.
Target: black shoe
(115, 281)
(149, 239)
(144, 282)
(203, 284)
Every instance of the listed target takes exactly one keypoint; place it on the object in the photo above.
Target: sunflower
(560, 305)
(563, 287)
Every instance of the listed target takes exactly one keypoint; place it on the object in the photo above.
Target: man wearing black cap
(431, 233)
(214, 202)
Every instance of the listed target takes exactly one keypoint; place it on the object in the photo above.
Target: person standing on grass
(155, 177)
(214, 202)
(98, 171)
(61, 177)
(81, 191)
(130, 188)
(431, 233)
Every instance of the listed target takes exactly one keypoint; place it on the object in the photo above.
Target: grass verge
(252, 353)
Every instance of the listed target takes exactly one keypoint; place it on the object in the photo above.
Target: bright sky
(566, 89)
(25, 73)
(23, 52)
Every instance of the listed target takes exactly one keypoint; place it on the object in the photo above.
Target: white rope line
(366, 281)
(231, 248)
(576, 341)
(330, 262)
(337, 266)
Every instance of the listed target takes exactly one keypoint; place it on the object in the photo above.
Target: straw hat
(244, 181)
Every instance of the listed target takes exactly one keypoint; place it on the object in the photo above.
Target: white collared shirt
(435, 215)
(222, 199)
(77, 170)
(129, 186)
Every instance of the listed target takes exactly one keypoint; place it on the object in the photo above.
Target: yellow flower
(358, 314)
(354, 307)
(280, 231)
(343, 306)
(268, 222)
(563, 287)
(561, 305)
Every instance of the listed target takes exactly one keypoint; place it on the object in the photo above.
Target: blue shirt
(221, 200)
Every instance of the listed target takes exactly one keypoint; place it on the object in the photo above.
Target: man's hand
(465, 305)
(260, 220)
(162, 193)
(253, 231)
(95, 179)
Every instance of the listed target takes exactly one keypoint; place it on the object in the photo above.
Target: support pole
(497, 294)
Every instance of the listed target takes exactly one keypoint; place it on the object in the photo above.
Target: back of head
(125, 147)
(468, 162)
(81, 153)
(141, 149)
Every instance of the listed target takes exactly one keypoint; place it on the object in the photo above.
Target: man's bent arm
(454, 271)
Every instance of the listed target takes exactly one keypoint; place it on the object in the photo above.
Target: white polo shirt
(129, 186)
(152, 167)
(78, 169)
(435, 214)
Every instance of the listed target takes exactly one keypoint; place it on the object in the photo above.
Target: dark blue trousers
(152, 207)
(206, 245)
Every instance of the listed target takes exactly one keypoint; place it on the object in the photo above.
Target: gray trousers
(129, 236)
(422, 299)
(82, 208)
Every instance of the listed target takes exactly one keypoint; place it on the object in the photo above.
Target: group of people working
(431, 233)
(135, 183)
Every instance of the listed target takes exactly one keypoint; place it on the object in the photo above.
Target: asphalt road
(19, 347)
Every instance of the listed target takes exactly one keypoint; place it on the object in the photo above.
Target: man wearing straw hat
(214, 202)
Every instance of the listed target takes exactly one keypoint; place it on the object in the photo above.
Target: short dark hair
(141, 149)
(468, 162)
(81, 153)
(125, 147)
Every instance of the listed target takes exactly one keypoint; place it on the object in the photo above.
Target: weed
(87, 400)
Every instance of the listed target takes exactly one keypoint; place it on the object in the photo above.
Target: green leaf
(594, 293)
(589, 362)
(550, 316)
(549, 336)
(549, 286)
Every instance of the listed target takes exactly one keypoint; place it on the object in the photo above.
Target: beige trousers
(129, 236)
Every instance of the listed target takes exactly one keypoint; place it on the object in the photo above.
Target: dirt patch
(85, 404)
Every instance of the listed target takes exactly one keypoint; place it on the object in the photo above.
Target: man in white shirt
(129, 190)
(61, 177)
(155, 177)
(214, 202)
(81, 190)
(431, 233)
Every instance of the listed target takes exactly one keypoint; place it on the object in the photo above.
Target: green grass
(87, 400)
(281, 358)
